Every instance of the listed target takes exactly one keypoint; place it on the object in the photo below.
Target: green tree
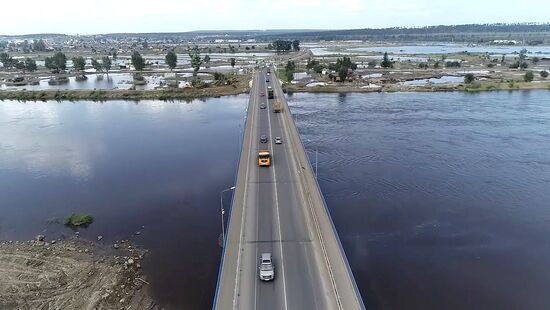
(529, 76)
(138, 61)
(436, 65)
(342, 74)
(233, 62)
(282, 45)
(524, 65)
(469, 78)
(290, 66)
(207, 59)
(196, 62)
(296, 45)
(544, 74)
(311, 63)
(6, 60)
(372, 64)
(106, 64)
(19, 65)
(38, 46)
(79, 63)
(57, 63)
(96, 65)
(386, 63)
(171, 60)
(452, 64)
(30, 65)
(522, 54)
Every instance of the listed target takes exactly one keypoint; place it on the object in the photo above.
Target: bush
(452, 64)
(529, 76)
(423, 66)
(77, 220)
(469, 78)
(544, 74)
(524, 65)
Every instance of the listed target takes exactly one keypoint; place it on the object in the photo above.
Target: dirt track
(71, 274)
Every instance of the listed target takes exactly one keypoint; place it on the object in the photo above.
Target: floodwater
(446, 79)
(160, 165)
(441, 200)
(94, 81)
(539, 51)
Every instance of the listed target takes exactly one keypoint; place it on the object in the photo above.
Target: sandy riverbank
(72, 274)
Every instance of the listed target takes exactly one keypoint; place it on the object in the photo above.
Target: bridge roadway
(280, 209)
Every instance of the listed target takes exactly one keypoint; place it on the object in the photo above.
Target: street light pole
(222, 211)
(316, 151)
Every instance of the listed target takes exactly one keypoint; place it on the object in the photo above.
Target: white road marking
(277, 204)
(237, 274)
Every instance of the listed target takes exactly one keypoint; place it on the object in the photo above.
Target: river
(440, 199)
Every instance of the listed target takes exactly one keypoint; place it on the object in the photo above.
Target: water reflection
(150, 164)
(441, 200)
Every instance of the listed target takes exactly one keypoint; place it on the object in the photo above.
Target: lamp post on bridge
(222, 212)
(316, 157)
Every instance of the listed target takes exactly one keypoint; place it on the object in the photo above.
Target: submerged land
(180, 66)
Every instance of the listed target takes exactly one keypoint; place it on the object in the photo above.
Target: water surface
(153, 167)
(441, 200)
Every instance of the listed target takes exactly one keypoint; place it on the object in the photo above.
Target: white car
(278, 140)
(267, 270)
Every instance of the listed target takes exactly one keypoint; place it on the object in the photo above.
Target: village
(106, 63)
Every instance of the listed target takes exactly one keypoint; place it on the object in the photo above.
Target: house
(300, 75)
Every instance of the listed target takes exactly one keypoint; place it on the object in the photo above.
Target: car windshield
(265, 267)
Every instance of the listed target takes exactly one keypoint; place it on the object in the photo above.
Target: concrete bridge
(279, 209)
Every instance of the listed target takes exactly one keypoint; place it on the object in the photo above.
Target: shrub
(529, 76)
(77, 220)
(544, 74)
(469, 78)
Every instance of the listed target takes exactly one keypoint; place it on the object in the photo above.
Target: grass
(79, 220)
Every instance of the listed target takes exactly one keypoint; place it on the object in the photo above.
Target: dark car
(263, 139)
(262, 106)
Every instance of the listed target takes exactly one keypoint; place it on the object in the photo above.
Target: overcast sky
(107, 16)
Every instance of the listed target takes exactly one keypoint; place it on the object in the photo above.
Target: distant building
(300, 75)
(505, 42)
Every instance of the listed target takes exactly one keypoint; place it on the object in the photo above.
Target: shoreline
(242, 87)
(393, 88)
(72, 273)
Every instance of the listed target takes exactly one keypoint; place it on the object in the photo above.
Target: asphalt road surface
(272, 213)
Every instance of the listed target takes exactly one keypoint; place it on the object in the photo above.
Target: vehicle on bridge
(264, 158)
(277, 106)
(263, 139)
(267, 270)
(270, 93)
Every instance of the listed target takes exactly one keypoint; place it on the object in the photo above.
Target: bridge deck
(280, 209)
